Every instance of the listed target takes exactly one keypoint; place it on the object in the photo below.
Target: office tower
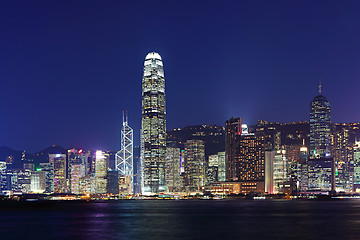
(212, 169)
(279, 171)
(48, 168)
(213, 135)
(356, 151)
(320, 126)
(233, 131)
(153, 125)
(59, 165)
(172, 169)
(75, 156)
(77, 171)
(195, 177)
(8, 178)
(112, 184)
(269, 168)
(342, 152)
(221, 166)
(100, 171)
(321, 175)
(245, 153)
(38, 182)
(303, 171)
(24, 181)
(87, 185)
(124, 158)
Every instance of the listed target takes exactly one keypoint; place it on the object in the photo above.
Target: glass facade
(320, 127)
(195, 177)
(153, 125)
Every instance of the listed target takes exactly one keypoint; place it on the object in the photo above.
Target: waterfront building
(212, 169)
(112, 181)
(59, 165)
(280, 176)
(24, 181)
(302, 182)
(195, 177)
(76, 157)
(124, 184)
(356, 150)
(124, 158)
(321, 175)
(38, 182)
(48, 169)
(87, 185)
(221, 171)
(245, 153)
(226, 188)
(269, 168)
(320, 126)
(172, 169)
(342, 152)
(77, 171)
(100, 171)
(153, 125)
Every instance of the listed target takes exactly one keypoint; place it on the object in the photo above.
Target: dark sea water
(200, 219)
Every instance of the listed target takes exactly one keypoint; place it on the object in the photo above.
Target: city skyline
(72, 92)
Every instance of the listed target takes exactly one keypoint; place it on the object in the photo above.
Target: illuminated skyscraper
(320, 126)
(38, 182)
(124, 158)
(59, 165)
(245, 153)
(153, 125)
(356, 148)
(77, 172)
(195, 171)
(100, 171)
(48, 168)
(172, 168)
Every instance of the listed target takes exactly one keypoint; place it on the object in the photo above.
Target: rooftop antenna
(123, 117)
(126, 116)
(320, 87)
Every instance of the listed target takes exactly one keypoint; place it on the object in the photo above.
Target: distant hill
(10, 155)
(43, 156)
(17, 159)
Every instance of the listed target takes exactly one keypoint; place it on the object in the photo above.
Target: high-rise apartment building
(320, 126)
(153, 125)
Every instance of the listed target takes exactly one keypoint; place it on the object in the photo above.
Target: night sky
(69, 68)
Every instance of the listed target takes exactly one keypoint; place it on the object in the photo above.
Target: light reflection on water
(156, 219)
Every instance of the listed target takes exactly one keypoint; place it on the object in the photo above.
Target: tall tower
(320, 126)
(124, 158)
(153, 125)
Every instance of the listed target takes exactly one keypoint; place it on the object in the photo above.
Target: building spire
(320, 87)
